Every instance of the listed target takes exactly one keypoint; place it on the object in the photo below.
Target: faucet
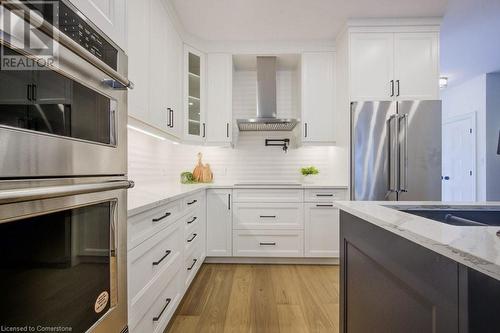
(284, 143)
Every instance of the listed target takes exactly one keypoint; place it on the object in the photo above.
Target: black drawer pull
(194, 219)
(324, 205)
(324, 195)
(162, 310)
(268, 216)
(192, 238)
(192, 202)
(192, 265)
(267, 243)
(167, 214)
(155, 263)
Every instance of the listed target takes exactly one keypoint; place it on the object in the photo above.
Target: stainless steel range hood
(266, 119)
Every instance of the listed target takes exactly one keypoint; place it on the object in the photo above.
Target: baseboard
(256, 260)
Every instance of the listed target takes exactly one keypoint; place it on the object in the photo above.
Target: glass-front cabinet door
(195, 99)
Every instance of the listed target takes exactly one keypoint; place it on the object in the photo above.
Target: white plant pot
(309, 179)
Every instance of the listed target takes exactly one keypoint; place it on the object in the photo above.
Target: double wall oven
(63, 173)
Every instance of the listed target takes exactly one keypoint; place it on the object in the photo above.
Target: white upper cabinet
(219, 98)
(107, 15)
(194, 96)
(318, 90)
(416, 69)
(371, 66)
(394, 66)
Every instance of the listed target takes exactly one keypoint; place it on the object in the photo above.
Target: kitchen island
(405, 273)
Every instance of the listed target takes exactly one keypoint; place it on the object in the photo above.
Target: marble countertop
(475, 247)
(144, 197)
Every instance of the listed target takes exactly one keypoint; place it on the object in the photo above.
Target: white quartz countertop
(476, 247)
(144, 197)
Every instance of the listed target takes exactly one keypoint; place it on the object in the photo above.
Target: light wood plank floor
(259, 299)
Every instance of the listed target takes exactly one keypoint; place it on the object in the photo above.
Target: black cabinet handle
(162, 310)
(204, 129)
(35, 91)
(305, 130)
(156, 263)
(192, 202)
(172, 118)
(28, 92)
(192, 265)
(324, 195)
(229, 201)
(397, 83)
(268, 216)
(324, 205)
(167, 214)
(227, 130)
(168, 117)
(392, 88)
(192, 238)
(267, 243)
(194, 219)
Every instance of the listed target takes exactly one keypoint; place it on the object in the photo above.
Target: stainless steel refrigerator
(396, 151)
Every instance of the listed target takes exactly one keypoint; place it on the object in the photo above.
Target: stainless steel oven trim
(116, 316)
(64, 40)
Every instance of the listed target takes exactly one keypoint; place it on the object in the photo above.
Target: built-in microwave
(68, 116)
(63, 257)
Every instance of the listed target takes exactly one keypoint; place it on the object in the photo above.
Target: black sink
(464, 216)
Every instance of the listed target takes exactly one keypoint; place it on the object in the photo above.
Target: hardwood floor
(260, 298)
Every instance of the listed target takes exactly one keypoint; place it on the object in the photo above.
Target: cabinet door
(371, 66)
(321, 230)
(219, 223)
(219, 97)
(318, 111)
(196, 129)
(174, 80)
(107, 15)
(416, 66)
(138, 58)
(158, 73)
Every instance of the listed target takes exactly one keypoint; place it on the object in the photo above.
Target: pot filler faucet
(284, 143)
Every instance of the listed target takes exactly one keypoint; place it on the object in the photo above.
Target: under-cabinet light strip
(145, 132)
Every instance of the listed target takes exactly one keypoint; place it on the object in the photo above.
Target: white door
(219, 97)
(322, 233)
(138, 58)
(459, 158)
(219, 223)
(107, 15)
(158, 69)
(416, 69)
(371, 66)
(318, 110)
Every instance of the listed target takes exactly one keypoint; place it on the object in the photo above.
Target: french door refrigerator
(396, 151)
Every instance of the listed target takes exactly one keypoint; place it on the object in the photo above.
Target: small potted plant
(308, 174)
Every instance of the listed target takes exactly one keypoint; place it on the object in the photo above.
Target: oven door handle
(118, 81)
(38, 193)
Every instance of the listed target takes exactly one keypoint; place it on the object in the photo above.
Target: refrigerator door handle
(403, 153)
(393, 153)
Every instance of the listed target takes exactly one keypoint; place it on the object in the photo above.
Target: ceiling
(289, 20)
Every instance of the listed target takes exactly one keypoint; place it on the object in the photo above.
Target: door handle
(192, 202)
(267, 243)
(305, 130)
(192, 238)
(393, 124)
(158, 219)
(324, 205)
(169, 121)
(192, 220)
(392, 88)
(28, 92)
(168, 300)
(171, 118)
(35, 92)
(204, 129)
(229, 201)
(267, 216)
(227, 130)
(397, 84)
(192, 265)
(403, 153)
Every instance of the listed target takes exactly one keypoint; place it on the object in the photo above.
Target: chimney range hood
(266, 119)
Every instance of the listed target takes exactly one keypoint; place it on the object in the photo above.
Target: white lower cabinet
(268, 243)
(219, 222)
(163, 242)
(322, 232)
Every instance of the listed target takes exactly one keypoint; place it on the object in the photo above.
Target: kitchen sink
(456, 215)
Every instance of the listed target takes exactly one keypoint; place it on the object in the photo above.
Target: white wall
(470, 97)
(470, 39)
(152, 161)
(492, 136)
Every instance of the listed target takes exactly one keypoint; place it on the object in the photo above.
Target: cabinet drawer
(192, 263)
(151, 257)
(268, 195)
(155, 317)
(147, 224)
(268, 216)
(192, 220)
(325, 195)
(193, 239)
(193, 201)
(268, 243)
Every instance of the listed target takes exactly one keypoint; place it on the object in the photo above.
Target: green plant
(187, 178)
(312, 170)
